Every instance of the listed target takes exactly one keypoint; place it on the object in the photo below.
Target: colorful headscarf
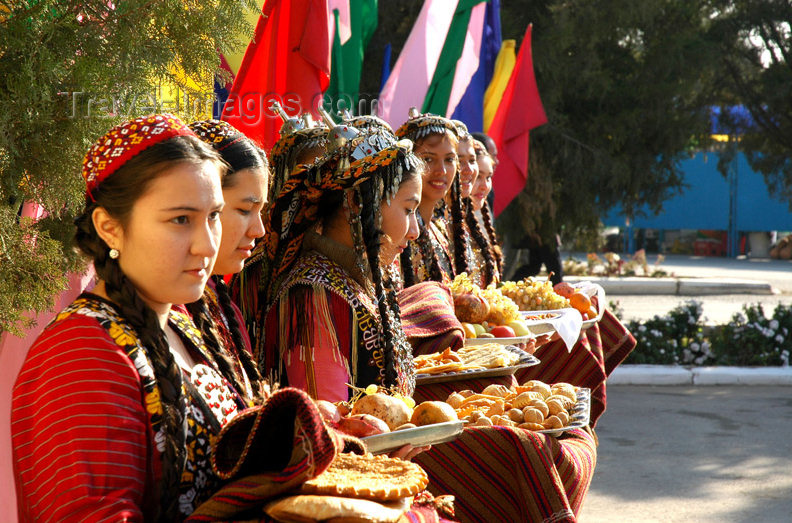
(423, 125)
(287, 149)
(124, 141)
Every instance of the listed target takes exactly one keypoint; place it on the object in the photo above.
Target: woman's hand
(408, 452)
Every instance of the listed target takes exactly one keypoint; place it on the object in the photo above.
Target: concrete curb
(631, 285)
(676, 375)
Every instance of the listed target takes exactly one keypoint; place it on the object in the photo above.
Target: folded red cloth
(428, 319)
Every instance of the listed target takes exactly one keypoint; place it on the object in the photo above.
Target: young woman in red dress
(118, 401)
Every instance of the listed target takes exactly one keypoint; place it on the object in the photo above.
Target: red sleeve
(79, 429)
(310, 329)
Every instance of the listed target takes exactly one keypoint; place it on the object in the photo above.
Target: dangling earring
(114, 254)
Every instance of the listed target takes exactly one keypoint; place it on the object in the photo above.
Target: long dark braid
(206, 325)
(483, 243)
(251, 369)
(428, 253)
(486, 217)
(372, 235)
(406, 263)
(144, 321)
(460, 236)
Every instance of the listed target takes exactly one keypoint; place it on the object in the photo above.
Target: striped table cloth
(510, 474)
(600, 350)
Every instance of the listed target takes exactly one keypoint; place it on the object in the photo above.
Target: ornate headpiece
(217, 133)
(367, 122)
(422, 125)
(462, 130)
(124, 141)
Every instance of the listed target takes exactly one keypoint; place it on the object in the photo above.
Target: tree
(756, 54)
(626, 87)
(70, 70)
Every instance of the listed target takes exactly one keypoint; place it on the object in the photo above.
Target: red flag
(520, 110)
(287, 61)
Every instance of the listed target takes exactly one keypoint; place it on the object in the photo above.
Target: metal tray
(417, 437)
(580, 415)
(526, 360)
(516, 340)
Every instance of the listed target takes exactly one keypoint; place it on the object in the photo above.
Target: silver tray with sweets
(525, 360)
(579, 416)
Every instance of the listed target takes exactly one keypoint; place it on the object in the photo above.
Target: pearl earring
(114, 254)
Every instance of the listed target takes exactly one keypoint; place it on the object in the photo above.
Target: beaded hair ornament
(123, 142)
(420, 126)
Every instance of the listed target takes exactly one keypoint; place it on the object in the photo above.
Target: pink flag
(468, 63)
(410, 78)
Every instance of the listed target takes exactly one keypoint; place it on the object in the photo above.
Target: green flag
(347, 59)
(436, 100)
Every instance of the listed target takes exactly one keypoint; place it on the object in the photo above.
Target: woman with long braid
(244, 191)
(486, 250)
(117, 402)
(430, 257)
(332, 314)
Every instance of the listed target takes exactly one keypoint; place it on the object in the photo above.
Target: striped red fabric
(603, 347)
(428, 319)
(79, 429)
(511, 474)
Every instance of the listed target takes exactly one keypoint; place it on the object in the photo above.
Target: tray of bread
(471, 362)
(534, 405)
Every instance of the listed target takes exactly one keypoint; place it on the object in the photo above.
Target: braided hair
(458, 231)
(491, 270)
(117, 195)
(487, 219)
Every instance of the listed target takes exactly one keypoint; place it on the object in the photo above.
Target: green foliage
(751, 338)
(676, 338)
(680, 338)
(755, 52)
(121, 61)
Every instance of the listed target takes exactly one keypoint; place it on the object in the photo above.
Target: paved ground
(693, 454)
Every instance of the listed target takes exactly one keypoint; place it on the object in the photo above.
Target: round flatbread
(371, 477)
(308, 508)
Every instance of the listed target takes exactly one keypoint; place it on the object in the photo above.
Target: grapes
(533, 295)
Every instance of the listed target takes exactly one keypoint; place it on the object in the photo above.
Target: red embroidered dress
(323, 330)
(86, 420)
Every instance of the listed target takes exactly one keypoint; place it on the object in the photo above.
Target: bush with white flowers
(680, 337)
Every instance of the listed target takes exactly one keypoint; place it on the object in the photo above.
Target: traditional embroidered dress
(436, 242)
(86, 420)
(323, 330)
(223, 329)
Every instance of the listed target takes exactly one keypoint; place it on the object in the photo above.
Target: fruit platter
(387, 421)
(486, 315)
(535, 297)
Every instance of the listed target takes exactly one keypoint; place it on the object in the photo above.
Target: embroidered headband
(121, 143)
(423, 125)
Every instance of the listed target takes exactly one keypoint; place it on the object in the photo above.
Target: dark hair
(372, 239)
(487, 219)
(490, 263)
(459, 232)
(240, 155)
(117, 195)
(428, 257)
